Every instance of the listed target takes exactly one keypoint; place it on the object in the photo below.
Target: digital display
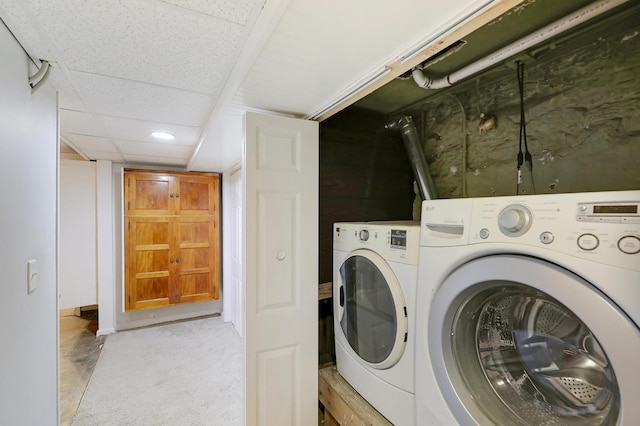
(619, 209)
(399, 239)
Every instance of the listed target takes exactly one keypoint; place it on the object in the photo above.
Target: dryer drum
(538, 358)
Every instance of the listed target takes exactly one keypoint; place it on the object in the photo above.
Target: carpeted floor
(184, 373)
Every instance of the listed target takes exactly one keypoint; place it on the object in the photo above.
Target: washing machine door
(371, 309)
(518, 340)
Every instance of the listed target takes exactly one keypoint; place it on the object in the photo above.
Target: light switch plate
(32, 275)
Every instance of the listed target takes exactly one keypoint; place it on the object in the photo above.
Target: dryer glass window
(369, 322)
(537, 359)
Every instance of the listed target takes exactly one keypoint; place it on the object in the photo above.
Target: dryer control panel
(397, 241)
(599, 226)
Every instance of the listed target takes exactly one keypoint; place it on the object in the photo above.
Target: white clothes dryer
(529, 310)
(374, 293)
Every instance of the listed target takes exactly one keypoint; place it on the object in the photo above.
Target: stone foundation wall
(582, 108)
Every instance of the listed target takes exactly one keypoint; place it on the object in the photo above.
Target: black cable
(520, 157)
(526, 156)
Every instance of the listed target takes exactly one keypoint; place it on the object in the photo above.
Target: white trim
(105, 241)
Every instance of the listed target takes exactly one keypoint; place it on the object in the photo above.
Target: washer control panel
(514, 220)
(609, 212)
(599, 226)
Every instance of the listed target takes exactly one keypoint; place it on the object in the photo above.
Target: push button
(629, 244)
(588, 242)
(546, 238)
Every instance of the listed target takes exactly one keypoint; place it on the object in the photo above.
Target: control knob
(364, 235)
(514, 220)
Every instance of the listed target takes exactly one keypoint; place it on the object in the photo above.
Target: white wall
(232, 244)
(77, 237)
(28, 171)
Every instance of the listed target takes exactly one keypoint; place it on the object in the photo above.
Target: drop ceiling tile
(139, 40)
(158, 149)
(237, 11)
(81, 123)
(92, 143)
(20, 23)
(121, 128)
(149, 102)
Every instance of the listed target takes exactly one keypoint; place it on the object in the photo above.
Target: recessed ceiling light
(163, 135)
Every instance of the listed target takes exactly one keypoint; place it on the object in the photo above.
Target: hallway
(79, 353)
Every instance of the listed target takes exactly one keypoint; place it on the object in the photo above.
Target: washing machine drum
(371, 309)
(510, 352)
(536, 356)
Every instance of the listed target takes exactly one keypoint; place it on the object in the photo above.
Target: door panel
(197, 261)
(148, 268)
(196, 195)
(149, 194)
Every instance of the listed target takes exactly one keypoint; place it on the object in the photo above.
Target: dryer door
(517, 340)
(371, 309)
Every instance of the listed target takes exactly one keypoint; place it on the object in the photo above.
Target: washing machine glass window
(536, 358)
(372, 310)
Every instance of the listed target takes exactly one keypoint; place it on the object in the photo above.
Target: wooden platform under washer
(342, 404)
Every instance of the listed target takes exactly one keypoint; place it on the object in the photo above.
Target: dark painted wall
(365, 175)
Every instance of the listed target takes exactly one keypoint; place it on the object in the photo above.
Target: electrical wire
(526, 156)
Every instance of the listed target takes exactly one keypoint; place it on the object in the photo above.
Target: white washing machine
(529, 310)
(374, 293)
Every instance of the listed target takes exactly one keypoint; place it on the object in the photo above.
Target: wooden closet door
(149, 193)
(149, 265)
(197, 274)
(196, 195)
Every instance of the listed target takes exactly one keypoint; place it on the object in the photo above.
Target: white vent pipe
(551, 30)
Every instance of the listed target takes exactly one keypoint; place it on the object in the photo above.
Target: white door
(280, 174)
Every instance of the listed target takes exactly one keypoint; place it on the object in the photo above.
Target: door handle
(340, 308)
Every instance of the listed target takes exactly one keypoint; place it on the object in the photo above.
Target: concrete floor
(79, 352)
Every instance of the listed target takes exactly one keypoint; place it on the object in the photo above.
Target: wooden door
(196, 195)
(172, 253)
(280, 170)
(148, 269)
(197, 261)
(149, 193)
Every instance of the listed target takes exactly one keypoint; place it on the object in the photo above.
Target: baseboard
(165, 319)
(105, 331)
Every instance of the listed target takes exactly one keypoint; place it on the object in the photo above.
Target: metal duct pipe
(416, 156)
(551, 30)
